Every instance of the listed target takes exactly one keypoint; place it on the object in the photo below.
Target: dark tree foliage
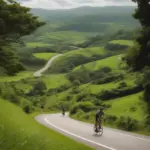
(141, 55)
(15, 21)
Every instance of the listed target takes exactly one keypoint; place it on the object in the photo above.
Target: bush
(81, 97)
(122, 85)
(76, 83)
(115, 47)
(80, 113)
(110, 119)
(38, 89)
(84, 106)
(127, 123)
(81, 76)
(119, 92)
(108, 78)
(147, 120)
(133, 109)
(68, 98)
(147, 92)
(27, 108)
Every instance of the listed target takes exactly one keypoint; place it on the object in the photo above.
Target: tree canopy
(140, 56)
(15, 21)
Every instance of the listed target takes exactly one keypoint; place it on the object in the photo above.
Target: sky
(67, 4)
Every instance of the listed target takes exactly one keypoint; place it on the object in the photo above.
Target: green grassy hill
(112, 62)
(45, 56)
(20, 131)
(89, 74)
(74, 58)
(122, 42)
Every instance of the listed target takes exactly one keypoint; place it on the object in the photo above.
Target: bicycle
(63, 113)
(98, 129)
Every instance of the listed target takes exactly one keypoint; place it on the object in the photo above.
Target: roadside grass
(122, 42)
(131, 106)
(55, 101)
(45, 56)
(19, 76)
(20, 132)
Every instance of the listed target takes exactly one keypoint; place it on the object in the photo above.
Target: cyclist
(63, 111)
(98, 118)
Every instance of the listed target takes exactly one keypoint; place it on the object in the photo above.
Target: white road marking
(134, 137)
(75, 135)
(126, 134)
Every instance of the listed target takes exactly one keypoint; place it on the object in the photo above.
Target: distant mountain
(66, 14)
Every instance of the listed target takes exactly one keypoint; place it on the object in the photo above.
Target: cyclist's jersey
(99, 113)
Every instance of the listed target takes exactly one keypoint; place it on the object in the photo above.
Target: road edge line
(75, 135)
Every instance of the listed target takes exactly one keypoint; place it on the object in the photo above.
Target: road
(111, 139)
(39, 72)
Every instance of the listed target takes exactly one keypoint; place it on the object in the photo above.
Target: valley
(76, 61)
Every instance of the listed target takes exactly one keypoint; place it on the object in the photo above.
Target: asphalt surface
(39, 72)
(111, 139)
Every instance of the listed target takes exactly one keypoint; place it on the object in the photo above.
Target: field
(131, 106)
(36, 44)
(20, 132)
(112, 62)
(122, 42)
(66, 36)
(55, 81)
(19, 76)
(45, 56)
(76, 57)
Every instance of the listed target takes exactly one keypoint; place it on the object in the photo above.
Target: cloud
(65, 4)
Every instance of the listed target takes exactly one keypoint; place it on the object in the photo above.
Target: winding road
(39, 72)
(111, 139)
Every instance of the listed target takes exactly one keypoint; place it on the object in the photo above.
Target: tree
(15, 21)
(141, 55)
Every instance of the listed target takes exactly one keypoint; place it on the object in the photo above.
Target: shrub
(119, 92)
(68, 98)
(147, 92)
(84, 106)
(76, 83)
(80, 113)
(38, 89)
(122, 85)
(110, 119)
(108, 78)
(127, 123)
(147, 120)
(81, 97)
(115, 47)
(82, 76)
(27, 108)
(133, 109)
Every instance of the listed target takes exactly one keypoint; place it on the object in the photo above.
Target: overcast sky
(64, 4)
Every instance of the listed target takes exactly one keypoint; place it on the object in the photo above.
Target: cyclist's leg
(96, 122)
(100, 123)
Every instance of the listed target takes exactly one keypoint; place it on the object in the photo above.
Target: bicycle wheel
(100, 131)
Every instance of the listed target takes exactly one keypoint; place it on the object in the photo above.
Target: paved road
(39, 72)
(83, 132)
